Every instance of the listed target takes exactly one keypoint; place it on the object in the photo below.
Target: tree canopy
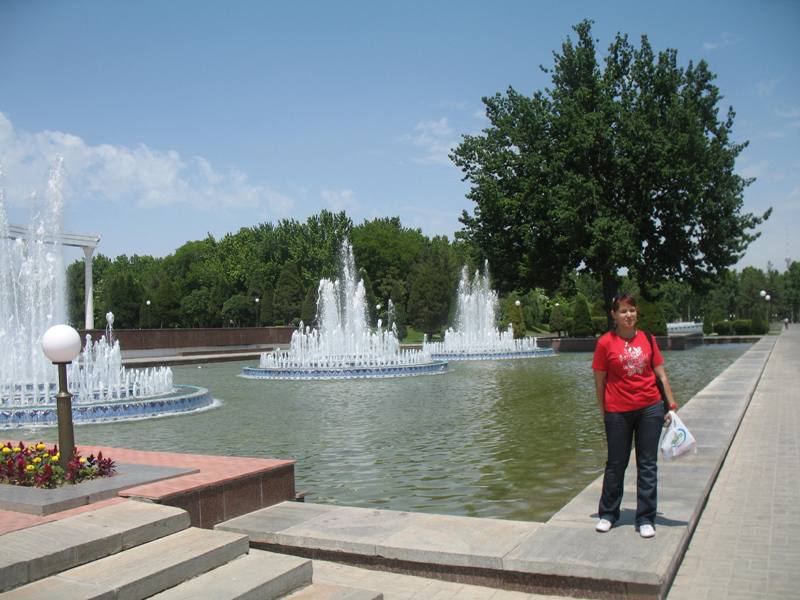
(623, 164)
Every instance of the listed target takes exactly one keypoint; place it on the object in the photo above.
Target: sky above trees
(178, 119)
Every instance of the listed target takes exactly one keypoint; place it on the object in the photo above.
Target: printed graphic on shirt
(633, 360)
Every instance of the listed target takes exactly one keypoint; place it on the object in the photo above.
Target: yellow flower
(56, 456)
(29, 468)
(83, 459)
(6, 450)
(45, 455)
(17, 449)
(36, 460)
(40, 446)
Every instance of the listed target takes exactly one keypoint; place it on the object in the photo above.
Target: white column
(88, 288)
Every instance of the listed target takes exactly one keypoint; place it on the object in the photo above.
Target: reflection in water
(507, 439)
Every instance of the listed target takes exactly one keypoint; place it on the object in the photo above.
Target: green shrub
(708, 326)
(581, 320)
(724, 327)
(599, 325)
(742, 327)
(651, 318)
(758, 326)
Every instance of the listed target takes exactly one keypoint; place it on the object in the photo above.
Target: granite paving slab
(457, 541)
(346, 529)
(42, 502)
(580, 552)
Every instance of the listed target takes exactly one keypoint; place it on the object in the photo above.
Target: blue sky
(180, 118)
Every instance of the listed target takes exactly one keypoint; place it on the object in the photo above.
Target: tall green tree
(620, 164)
(289, 294)
(308, 311)
(581, 320)
(431, 288)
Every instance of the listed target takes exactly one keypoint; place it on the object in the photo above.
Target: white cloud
(143, 176)
(767, 86)
(436, 138)
(725, 39)
(755, 170)
(789, 113)
(340, 200)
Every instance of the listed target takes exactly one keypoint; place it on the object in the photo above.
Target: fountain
(32, 298)
(344, 346)
(475, 335)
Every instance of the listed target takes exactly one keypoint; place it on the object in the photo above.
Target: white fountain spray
(476, 335)
(343, 344)
(32, 298)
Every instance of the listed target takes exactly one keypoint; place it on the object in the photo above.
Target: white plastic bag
(677, 439)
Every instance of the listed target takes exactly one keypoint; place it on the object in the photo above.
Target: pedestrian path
(747, 543)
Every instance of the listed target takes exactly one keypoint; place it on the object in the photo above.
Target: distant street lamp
(147, 313)
(61, 344)
(768, 299)
(258, 313)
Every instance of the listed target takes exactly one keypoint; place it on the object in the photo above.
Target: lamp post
(147, 313)
(258, 312)
(61, 344)
(768, 299)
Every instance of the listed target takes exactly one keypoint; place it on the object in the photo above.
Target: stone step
(27, 555)
(258, 575)
(325, 591)
(141, 571)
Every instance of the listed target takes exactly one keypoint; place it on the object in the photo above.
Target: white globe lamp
(61, 344)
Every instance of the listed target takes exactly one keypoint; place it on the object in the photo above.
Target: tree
(431, 287)
(651, 317)
(289, 293)
(195, 309)
(397, 295)
(267, 316)
(558, 319)
(123, 297)
(308, 311)
(582, 321)
(516, 316)
(386, 251)
(792, 285)
(75, 293)
(623, 165)
(238, 310)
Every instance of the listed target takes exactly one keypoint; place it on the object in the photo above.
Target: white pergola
(78, 240)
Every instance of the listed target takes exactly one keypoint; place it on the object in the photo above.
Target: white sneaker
(647, 530)
(603, 525)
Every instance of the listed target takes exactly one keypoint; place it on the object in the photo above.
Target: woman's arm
(661, 373)
(600, 389)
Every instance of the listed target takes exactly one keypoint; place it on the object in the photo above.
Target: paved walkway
(747, 543)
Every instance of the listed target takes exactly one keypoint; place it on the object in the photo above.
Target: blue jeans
(642, 426)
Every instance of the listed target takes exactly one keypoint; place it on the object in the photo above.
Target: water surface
(512, 439)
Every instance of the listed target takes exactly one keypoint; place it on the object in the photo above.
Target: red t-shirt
(630, 380)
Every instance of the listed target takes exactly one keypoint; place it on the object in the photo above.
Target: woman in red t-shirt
(632, 412)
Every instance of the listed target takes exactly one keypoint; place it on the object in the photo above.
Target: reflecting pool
(506, 439)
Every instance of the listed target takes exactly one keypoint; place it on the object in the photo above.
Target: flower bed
(36, 465)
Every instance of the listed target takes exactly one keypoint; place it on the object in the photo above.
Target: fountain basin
(183, 399)
(345, 371)
(493, 355)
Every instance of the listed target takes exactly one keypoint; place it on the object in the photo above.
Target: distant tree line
(269, 275)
